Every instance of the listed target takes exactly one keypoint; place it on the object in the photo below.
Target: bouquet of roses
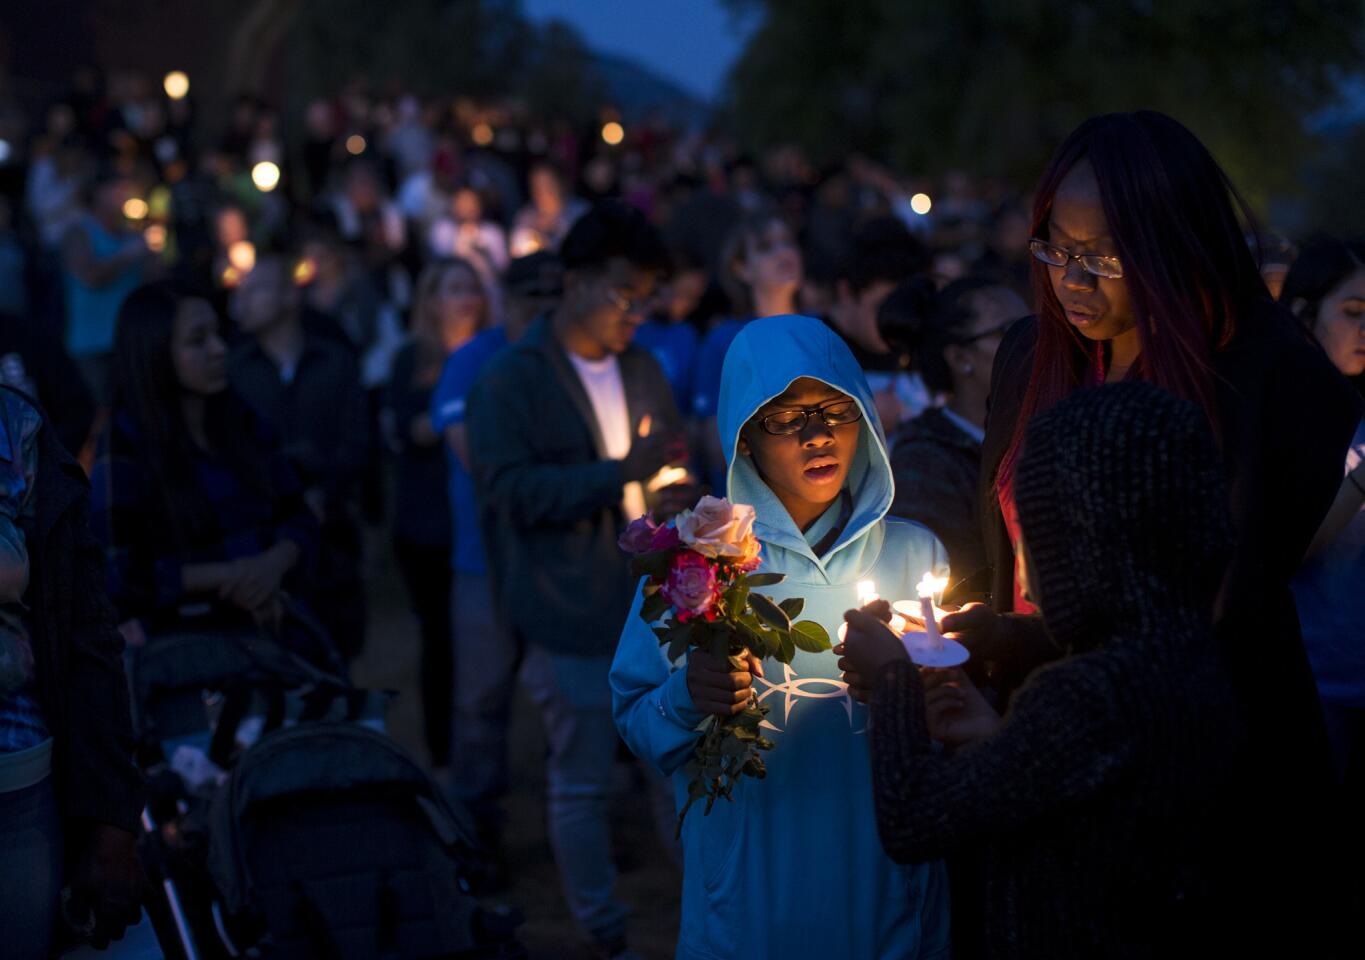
(701, 571)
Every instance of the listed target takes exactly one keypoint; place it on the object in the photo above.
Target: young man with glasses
(564, 428)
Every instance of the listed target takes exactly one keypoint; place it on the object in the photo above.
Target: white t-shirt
(602, 380)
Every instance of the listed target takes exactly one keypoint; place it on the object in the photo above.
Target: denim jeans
(484, 687)
(574, 699)
(30, 870)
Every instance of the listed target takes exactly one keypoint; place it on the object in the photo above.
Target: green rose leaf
(763, 579)
(654, 607)
(769, 612)
(788, 651)
(678, 637)
(653, 565)
(793, 606)
(810, 636)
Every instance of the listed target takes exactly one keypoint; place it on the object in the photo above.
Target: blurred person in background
(14, 264)
(936, 456)
(761, 272)
(1325, 289)
(307, 388)
(34, 362)
(449, 310)
(670, 333)
(464, 232)
(544, 222)
(103, 261)
(1276, 254)
(70, 795)
(203, 519)
(883, 254)
(366, 217)
(564, 428)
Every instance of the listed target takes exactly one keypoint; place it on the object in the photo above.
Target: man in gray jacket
(566, 428)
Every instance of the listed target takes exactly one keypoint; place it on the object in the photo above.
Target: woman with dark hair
(1326, 291)
(203, 520)
(760, 270)
(449, 309)
(936, 456)
(1141, 273)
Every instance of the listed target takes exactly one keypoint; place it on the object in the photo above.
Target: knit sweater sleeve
(1061, 742)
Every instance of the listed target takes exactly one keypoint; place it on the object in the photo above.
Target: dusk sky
(692, 42)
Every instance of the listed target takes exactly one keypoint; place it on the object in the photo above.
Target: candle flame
(645, 423)
(931, 586)
(867, 592)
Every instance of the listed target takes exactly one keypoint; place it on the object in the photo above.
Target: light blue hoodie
(800, 847)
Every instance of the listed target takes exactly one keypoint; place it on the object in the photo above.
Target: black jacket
(1095, 801)
(78, 651)
(937, 469)
(549, 499)
(1285, 420)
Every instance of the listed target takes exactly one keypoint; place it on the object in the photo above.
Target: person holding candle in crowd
(1094, 798)
(559, 450)
(1141, 273)
(806, 450)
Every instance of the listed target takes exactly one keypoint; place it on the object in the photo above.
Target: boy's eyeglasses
(626, 304)
(999, 331)
(1054, 256)
(786, 422)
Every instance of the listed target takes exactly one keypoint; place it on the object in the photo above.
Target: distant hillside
(636, 90)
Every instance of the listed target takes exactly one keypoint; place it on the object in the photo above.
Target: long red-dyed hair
(1173, 214)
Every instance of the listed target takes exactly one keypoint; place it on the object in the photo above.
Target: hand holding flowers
(700, 575)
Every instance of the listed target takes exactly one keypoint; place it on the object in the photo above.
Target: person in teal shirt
(792, 866)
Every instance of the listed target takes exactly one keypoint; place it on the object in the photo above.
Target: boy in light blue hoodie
(791, 867)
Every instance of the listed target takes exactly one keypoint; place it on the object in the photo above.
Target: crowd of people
(1130, 426)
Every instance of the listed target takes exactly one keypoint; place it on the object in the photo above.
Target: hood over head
(766, 357)
(1123, 506)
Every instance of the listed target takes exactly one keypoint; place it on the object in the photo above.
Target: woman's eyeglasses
(786, 422)
(1108, 268)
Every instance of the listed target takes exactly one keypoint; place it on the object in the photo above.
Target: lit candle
(928, 586)
(867, 592)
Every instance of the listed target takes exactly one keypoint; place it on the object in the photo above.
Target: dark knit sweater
(1094, 801)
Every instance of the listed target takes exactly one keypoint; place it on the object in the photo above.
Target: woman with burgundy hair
(1141, 272)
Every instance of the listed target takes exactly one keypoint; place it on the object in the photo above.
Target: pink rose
(665, 538)
(718, 528)
(637, 536)
(691, 587)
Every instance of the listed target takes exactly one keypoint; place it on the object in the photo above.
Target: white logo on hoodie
(792, 689)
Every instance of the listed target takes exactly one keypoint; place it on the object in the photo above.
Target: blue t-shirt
(710, 361)
(674, 345)
(447, 408)
(1330, 592)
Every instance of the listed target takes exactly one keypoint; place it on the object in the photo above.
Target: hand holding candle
(931, 648)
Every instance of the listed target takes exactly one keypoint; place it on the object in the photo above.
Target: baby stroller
(325, 839)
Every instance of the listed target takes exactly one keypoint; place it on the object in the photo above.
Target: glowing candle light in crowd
(266, 176)
(482, 134)
(867, 592)
(176, 84)
(135, 208)
(921, 204)
(304, 271)
(242, 256)
(155, 235)
(613, 133)
(355, 144)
